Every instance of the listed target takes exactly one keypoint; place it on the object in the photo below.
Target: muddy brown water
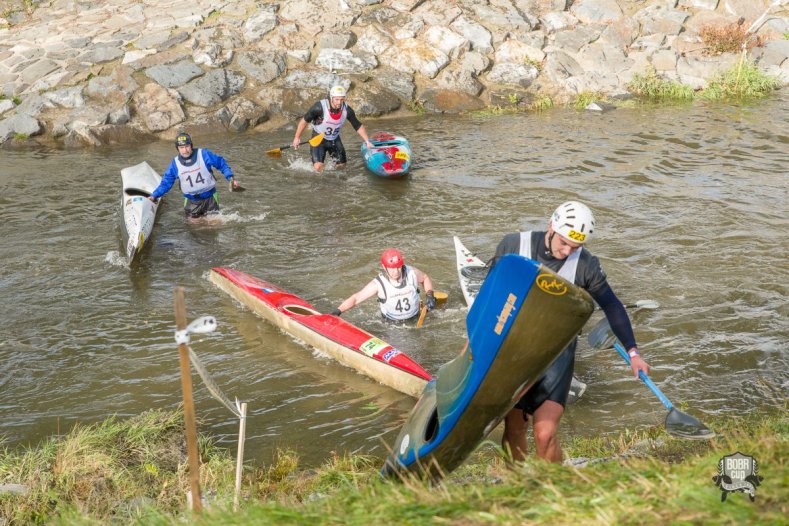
(691, 207)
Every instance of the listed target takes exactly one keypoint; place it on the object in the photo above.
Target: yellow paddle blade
(315, 141)
(441, 297)
(276, 152)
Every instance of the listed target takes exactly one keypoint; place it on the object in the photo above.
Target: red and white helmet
(392, 258)
(574, 221)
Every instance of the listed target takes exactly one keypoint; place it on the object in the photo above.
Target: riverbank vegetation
(134, 471)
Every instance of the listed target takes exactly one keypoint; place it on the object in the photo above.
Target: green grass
(651, 86)
(742, 81)
(585, 98)
(543, 102)
(134, 472)
(21, 136)
(417, 106)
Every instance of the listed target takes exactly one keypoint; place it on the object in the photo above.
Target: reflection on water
(691, 207)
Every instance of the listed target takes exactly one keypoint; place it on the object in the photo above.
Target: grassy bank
(134, 471)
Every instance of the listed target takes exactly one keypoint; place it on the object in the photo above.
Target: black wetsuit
(555, 383)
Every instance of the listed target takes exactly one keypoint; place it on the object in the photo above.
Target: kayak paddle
(678, 424)
(276, 152)
(441, 298)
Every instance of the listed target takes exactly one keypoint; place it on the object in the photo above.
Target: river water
(691, 208)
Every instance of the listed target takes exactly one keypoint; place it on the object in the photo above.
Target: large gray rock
(101, 54)
(213, 87)
(516, 51)
(258, 25)
(36, 70)
(242, 113)
(337, 39)
(446, 40)
(5, 105)
(374, 40)
(372, 99)
(656, 19)
(479, 37)
(596, 11)
(323, 80)
(572, 40)
(437, 13)
(456, 78)
(401, 84)
(67, 97)
(174, 75)
(416, 56)
(748, 9)
(117, 87)
(159, 107)
(774, 53)
(557, 21)
(513, 74)
(263, 66)
(559, 66)
(346, 60)
(19, 125)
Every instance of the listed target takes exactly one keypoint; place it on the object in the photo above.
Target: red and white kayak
(332, 335)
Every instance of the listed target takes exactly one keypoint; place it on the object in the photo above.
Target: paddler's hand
(295, 143)
(151, 199)
(368, 143)
(430, 300)
(637, 363)
(233, 183)
(336, 312)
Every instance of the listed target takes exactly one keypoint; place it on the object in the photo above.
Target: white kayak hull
(471, 271)
(138, 213)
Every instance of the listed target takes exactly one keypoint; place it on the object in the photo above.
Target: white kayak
(137, 211)
(471, 271)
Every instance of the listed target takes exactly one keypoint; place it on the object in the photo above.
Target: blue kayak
(390, 155)
(521, 320)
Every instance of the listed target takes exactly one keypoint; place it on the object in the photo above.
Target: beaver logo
(551, 284)
(737, 472)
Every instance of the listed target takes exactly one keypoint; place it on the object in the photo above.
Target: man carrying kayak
(194, 170)
(327, 116)
(561, 249)
(397, 288)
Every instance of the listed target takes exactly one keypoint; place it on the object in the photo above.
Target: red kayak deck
(340, 339)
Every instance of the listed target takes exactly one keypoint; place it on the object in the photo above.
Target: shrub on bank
(651, 86)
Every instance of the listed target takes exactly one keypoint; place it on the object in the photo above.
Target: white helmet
(574, 221)
(338, 91)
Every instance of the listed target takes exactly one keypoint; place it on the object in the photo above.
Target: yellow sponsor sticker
(551, 284)
(577, 236)
(401, 155)
(372, 346)
(505, 313)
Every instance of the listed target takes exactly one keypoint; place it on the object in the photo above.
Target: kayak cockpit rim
(300, 310)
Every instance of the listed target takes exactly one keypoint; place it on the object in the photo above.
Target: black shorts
(201, 207)
(333, 148)
(554, 384)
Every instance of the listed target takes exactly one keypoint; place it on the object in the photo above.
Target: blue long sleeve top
(211, 160)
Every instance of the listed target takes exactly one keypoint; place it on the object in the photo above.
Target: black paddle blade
(682, 425)
(601, 336)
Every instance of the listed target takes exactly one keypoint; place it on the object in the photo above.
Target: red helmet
(392, 258)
